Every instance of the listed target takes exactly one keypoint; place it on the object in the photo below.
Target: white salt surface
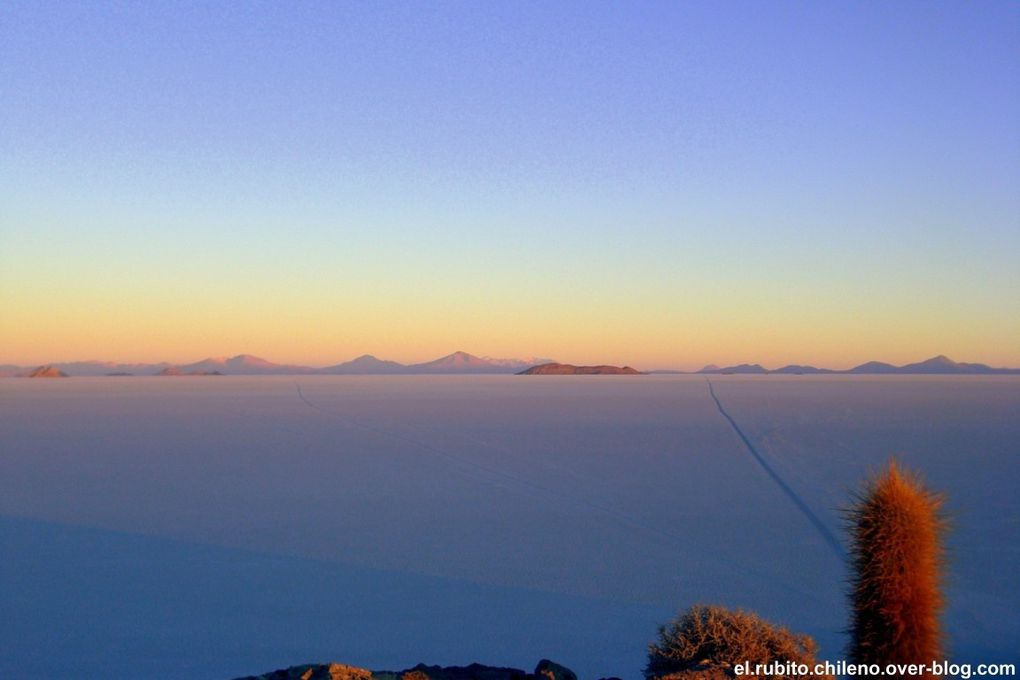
(218, 526)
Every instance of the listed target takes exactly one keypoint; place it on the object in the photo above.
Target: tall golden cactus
(896, 527)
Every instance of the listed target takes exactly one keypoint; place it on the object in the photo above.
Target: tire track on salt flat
(804, 508)
(673, 542)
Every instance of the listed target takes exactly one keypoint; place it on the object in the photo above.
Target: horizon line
(742, 367)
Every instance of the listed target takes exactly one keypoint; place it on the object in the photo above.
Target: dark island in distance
(570, 369)
(173, 370)
(46, 372)
(462, 363)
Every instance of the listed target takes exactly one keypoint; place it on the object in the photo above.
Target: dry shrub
(707, 642)
(897, 528)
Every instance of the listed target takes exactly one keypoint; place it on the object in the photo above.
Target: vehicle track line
(673, 540)
(780, 482)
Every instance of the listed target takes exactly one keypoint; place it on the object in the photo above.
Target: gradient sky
(659, 184)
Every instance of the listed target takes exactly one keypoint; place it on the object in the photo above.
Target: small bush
(706, 642)
(896, 595)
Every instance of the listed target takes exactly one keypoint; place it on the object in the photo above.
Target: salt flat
(216, 526)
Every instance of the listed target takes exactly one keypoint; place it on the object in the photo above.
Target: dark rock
(475, 671)
(554, 671)
(332, 671)
(546, 670)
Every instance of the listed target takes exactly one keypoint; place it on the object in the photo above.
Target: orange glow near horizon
(147, 327)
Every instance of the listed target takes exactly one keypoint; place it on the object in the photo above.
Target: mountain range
(458, 363)
(461, 363)
(940, 365)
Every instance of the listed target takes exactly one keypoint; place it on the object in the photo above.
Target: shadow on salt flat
(111, 604)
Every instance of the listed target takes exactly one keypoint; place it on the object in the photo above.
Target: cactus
(897, 527)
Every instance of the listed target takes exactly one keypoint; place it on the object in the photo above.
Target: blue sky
(820, 181)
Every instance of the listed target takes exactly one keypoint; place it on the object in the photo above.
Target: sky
(658, 184)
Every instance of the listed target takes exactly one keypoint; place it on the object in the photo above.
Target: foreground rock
(545, 670)
(570, 369)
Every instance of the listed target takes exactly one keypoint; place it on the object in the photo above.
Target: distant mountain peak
(251, 360)
(243, 364)
(464, 362)
(739, 368)
(458, 358)
(461, 356)
(874, 367)
(366, 364)
(800, 369)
